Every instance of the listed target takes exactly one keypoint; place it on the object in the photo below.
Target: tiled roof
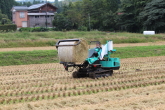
(40, 14)
(31, 7)
(36, 6)
(20, 7)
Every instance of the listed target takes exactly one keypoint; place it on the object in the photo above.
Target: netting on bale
(75, 54)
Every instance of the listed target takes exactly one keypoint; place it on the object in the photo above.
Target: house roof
(20, 8)
(36, 6)
(40, 14)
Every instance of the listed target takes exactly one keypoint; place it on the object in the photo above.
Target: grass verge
(50, 56)
(38, 39)
(31, 57)
(139, 51)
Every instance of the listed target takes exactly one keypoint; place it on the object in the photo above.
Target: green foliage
(109, 23)
(39, 29)
(154, 16)
(28, 57)
(5, 7)
(8, 27)
(94, 14)
(56, 3)
(4, 19)
(143, 51)
(111, 15)
(112, 5)
(82, 28)
(27, 29)
(128, 20)
(62, 22)
(36, 2)
(29, 3)
(36, 29)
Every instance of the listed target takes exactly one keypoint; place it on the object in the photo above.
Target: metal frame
(68, 40)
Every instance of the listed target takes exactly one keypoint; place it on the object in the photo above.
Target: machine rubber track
(97, 74)
(78, 74)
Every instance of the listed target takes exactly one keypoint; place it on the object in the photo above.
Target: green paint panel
(113, 62)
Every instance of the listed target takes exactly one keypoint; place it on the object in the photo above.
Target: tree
(153, 16)
(3, 7)
(60, 7)
(74, 14)
(112, 5)
(35, 2)
(6, 5)
(128, 20)
(62, 22)
(27, 3)
(109, 22)
(4, 19)
(56, 3)
(104, 14)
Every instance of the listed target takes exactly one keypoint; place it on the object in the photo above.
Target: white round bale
(149, 32)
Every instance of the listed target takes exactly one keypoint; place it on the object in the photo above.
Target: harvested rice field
(138, 85)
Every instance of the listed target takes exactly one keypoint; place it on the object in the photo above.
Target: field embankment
(50, 56)
(41, 39)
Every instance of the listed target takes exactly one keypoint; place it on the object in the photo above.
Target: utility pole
(46, 14)
(89, 21)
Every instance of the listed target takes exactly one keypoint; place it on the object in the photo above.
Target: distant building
(34, 16)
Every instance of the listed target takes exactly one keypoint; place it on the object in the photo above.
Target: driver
(98, 45)
(97, 49)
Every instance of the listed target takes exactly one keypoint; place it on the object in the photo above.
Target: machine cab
(102, 56)
(91, 52)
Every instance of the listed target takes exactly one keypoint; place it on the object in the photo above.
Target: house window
(36, 16)
(37, 24)
(13, 15)
(22, 14)
(47, 16)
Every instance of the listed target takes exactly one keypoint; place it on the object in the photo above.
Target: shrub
(27, 29)
(82, 28)
(8, 27)
(36, 29)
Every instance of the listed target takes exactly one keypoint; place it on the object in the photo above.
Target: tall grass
(35, 39)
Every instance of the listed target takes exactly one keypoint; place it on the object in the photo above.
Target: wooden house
(38, 15)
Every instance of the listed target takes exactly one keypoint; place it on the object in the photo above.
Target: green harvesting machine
(98, 63)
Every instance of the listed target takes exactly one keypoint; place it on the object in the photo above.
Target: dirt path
(27, 48)
(53, 47)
